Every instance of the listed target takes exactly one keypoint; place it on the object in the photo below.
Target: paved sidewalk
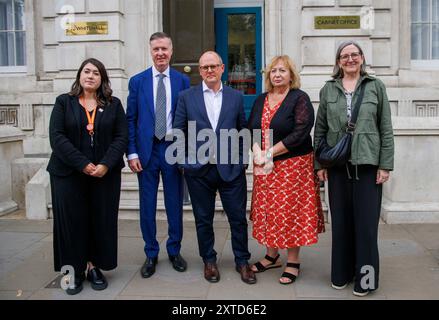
(409, 267)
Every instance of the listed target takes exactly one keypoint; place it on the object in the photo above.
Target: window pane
(420, 10)
(6, 49)
(435, 11)
(420, 42)
(242, 52)
(435, 44)
(19, 14)
(6, 18)
(20, 44)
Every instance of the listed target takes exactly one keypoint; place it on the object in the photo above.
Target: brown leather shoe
(247, 274)
(211, 272)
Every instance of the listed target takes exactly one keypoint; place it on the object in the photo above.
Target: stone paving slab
(409, 267)
(425, 234)
(29, 270)
(117, 281)
(13, 243)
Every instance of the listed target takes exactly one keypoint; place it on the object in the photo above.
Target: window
(12, 34)
(425, 29)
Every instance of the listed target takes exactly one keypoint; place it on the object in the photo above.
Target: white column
(273, 30)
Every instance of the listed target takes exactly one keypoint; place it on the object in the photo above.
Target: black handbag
(339, 154)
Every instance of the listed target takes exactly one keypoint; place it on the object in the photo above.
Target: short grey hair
(338, 72)
(160, 35)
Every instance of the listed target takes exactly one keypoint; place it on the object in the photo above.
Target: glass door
(238, 41)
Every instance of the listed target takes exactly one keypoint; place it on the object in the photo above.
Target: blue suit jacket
(191, 107)
(141, 114)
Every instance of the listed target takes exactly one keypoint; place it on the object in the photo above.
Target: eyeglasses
(353, 55)
(213, 67)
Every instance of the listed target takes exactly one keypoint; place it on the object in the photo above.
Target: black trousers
(355, 202)
(85, 214)
(234, 199)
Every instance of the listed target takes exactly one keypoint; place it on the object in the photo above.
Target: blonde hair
(295, 78)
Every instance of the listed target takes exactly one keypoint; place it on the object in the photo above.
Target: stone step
(130, 191)
(129, 210)
(129, 177)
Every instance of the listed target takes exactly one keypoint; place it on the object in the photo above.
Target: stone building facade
(400, 39)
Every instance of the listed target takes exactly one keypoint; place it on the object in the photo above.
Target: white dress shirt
(155, 83)
(213, 102)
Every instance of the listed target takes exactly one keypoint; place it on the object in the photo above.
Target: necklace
(91, 119)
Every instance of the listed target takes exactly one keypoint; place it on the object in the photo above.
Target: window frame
(15, 68)
(424, 64)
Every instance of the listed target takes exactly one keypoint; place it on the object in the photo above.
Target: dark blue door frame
(221, 37)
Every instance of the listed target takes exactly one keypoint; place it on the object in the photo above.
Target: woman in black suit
(88, 135)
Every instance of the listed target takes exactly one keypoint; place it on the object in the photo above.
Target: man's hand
(323, 175)
(89, 169)
(100, 171)
(135, 165)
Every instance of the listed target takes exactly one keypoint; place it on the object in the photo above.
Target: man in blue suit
(151, 107)
(212, 107)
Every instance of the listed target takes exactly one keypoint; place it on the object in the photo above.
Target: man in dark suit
(212, 107)
(151, 107)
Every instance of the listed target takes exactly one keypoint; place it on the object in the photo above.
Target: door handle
(187, 69)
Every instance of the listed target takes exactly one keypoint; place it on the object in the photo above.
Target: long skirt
(85, 215)
(286, 208)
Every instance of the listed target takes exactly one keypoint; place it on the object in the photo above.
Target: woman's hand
(100, 171)
(258, 155)
(382, 176)
(322, 174)
(89, 169)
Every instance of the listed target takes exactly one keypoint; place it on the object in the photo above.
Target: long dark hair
(104, 92)
(338, 72)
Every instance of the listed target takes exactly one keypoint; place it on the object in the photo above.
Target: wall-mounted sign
(87, 28)
(337, 22)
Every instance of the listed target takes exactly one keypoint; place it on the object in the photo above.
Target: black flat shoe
(178, 263)
(77, 287)
(291, 277)
(272, 265)
(148, 268)
(97, 279)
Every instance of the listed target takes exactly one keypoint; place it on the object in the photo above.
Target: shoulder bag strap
(352, 122)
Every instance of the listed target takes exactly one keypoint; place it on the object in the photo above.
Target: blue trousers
(173, 195)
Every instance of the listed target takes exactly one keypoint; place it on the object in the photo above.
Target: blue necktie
(160, 110)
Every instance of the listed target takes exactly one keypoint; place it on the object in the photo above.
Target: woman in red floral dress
(286, 208)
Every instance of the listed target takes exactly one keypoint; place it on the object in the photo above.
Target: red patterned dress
(286, 210)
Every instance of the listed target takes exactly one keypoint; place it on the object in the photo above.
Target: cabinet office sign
(337, 22)
(87, 28)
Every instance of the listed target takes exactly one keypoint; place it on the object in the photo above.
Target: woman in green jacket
(355, 189)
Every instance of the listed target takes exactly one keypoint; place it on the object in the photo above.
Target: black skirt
(85, 216)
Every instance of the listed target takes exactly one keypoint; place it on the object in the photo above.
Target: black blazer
(111, 136)
(291, 124)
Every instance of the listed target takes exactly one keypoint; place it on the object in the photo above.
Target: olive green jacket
(372, 141)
